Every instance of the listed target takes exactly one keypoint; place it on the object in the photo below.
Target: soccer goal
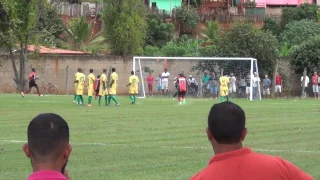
(202, 73)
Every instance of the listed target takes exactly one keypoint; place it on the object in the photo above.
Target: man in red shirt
(150, 81)
(226, 130)
(32, 83)
(48, 147)
(278, 87)
(315, 86)
(182, 88)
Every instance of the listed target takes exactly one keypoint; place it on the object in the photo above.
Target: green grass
(156, 139)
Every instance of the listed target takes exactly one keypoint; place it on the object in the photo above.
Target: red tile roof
(45, 50)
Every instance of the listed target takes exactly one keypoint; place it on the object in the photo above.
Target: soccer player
(182, 88)
(133, 89)
(226, 131)
(103, 87)
(224, 88)
(176, 85)
(278, 87)
(150, 81)
(80, 80)
(48, 147)
(75, 87)
(315, 86)
(97, 86)
(32, 83)
(91, 79)
(113, 87)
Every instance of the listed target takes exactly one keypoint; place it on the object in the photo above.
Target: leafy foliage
(270, 24)
(152, 51)
(158, 33)
(306, 55)
(305, 11)
(125, 25)
(172, 49)
(297, 32)
(188, 19)
(211, 31)
(79, 32)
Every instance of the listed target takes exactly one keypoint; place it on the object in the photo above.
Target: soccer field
(157, 138)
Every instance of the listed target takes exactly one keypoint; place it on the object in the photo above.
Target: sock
(114, 99)
(134, 98)
(109, 99)
(106, 99)
(222, 98)
(81, 99)
(131, 98)
(89, 99)
(179, 99)
(78, 99)
(227, 97)
(75, 97)
(99, 100)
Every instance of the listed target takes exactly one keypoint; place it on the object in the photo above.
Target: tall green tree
(188, 19)
(125, 25)
(270, 24)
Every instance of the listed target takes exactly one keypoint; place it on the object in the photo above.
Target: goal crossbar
(252, 60)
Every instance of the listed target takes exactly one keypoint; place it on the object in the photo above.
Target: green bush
(174, 50)
(270, 24)
(152, 51)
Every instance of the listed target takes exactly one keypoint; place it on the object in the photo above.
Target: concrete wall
(53, 68)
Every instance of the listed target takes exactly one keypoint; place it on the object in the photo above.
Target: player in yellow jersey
(80, 80)
(91, 79)
(75, 87)
(113, 87)
(103, 91)
(133, 89)
(224, 88)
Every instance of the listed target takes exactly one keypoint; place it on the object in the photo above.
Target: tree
(125, 25)
(188, 19)
(297, 32)
(79, 32)
(305, 11)
(20, 25)
(270, 24)
(306, 55)
(211, 32)
(243, 39)
(158, 33)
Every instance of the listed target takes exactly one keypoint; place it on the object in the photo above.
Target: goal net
(202, 73)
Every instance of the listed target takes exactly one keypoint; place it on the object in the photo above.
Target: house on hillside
(165, 6)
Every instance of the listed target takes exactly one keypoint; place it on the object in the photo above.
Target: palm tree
(210, 32)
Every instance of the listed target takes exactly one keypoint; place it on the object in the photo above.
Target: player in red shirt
(226, 130)
(150, 81)
(182, 88)
(278, 87)
(97, 87)
(32, 83)
(315, 86)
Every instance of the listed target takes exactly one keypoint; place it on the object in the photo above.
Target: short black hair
(132, 72)
(98, 76)
(48, 135)
(79, 69)
(104, 70)
(226, 122)
(113, 69)
(91, 70)
(33, 69)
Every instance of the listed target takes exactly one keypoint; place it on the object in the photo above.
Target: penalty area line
(169, 147)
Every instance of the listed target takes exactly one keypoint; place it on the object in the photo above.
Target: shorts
(277, 88)
(133, 91)
(315, 88)
(224, 92)
(232, 89)
(214, 90)
(181, 93)
(150, 87)
(112, 91)
(32, 83)
(266, 91)
(103, 92)
(248, 89)
(159, 87)
(164, 85)
(79, 92)
(90, 92)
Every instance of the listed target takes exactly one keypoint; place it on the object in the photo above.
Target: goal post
(244, 70)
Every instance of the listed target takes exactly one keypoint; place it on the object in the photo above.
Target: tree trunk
(22, 68)
(16, 78)
(275, 70)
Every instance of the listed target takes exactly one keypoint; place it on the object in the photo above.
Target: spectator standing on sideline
(159, 81)
(213, 84)
(266, 86)
(226, 130)
(48, 147)
(278, 87)
(150, 81)
(205, 79)
(165, 80)
(232, 85)
(248, 85)
(255, 84)
(315, 86)
(304, 83)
